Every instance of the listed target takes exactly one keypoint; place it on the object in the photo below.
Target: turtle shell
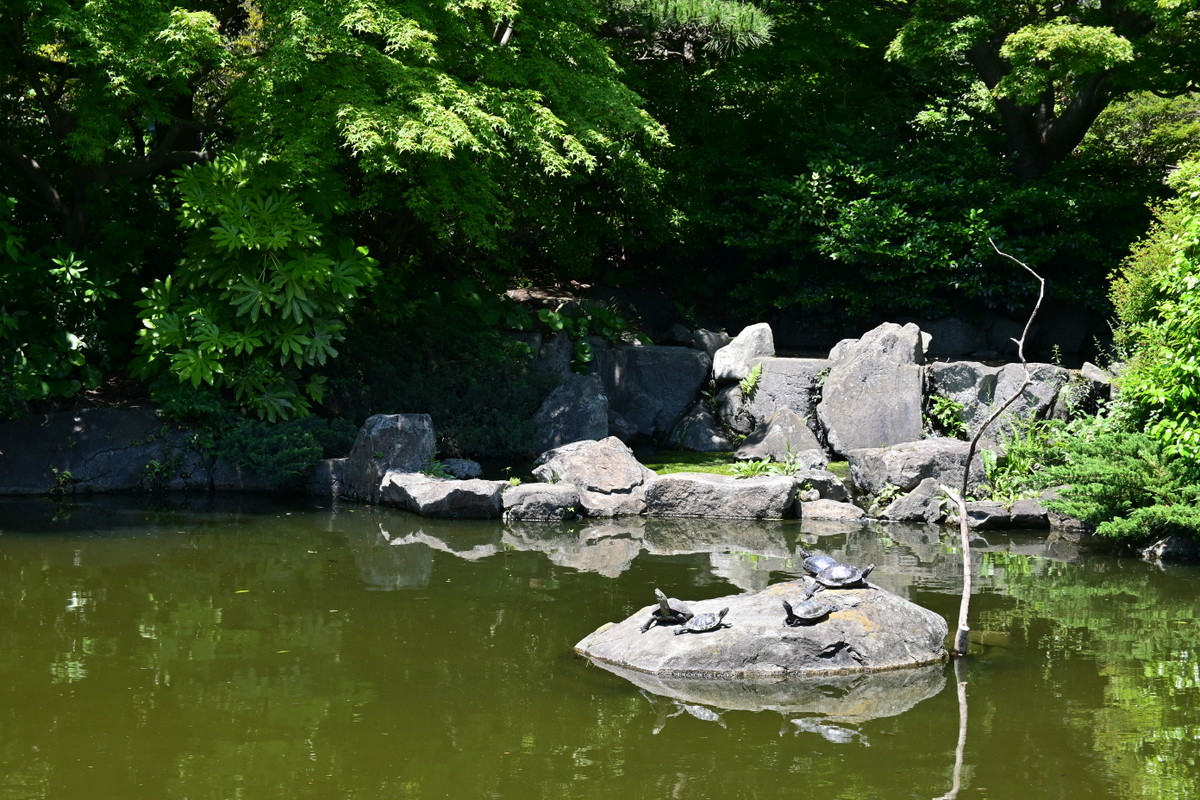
(842, 575)
(702, 623)
(816, 564)
(806, 612)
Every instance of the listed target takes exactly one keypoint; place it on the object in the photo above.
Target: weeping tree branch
(962, 637)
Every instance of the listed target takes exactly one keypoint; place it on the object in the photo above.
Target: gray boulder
(733, 410)
(905, 465)
(577, 409)
(988, 515)
(869, 629)
(709, 341)
(922, 504)
(830, 510)
(651, 387)
(792, 383)
(1036, 399)
(783, 435)
(969, 383)
(873, 394)
(540, 502)
(693, 494)
(735, 360)
(611, 482)
(428, 496)
(827, 485)
(1172, 548)
(698, 430)
(386, 443)
(1027, 514)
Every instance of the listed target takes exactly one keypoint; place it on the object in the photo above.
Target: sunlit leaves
(1048, 55)
(259, 298)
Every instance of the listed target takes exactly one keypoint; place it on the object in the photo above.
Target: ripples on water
(256, 650)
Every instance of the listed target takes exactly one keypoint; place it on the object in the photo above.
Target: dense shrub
(1158, 303)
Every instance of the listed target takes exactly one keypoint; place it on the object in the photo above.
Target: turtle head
(721, 614)
(659, 594)
(867, 571)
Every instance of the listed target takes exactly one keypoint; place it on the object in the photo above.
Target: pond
(250, 649)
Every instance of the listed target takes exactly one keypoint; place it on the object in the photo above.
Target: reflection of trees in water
(1137, 624)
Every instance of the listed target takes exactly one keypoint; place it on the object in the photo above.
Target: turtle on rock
(669, 612)
(703, 623)
(808, 612)
(815, 563)
(839, 576)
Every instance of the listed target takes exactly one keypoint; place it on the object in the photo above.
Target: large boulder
(1035, 400)
(784, 435)
(827, 485)
(868, 629)
(541, 502)
(925, 503)
(698, 430)
(968, 383)
(385, 443)
(651, 387)
(873, 394)
(428, 496)
(735, 360)
(792, 383)
(611, 481)
(904, 466)
(695, 494)
(577, 409)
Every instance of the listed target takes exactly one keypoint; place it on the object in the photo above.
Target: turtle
(806, 613)
(703, 623)
(669, 612)
(815, 564)
(839, 576)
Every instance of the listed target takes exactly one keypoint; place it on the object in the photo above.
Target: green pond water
(258, 650)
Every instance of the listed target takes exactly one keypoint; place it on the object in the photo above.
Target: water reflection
(259, 650)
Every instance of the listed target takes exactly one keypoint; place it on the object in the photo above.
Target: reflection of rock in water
(679, 536)
(387, 567)
(836, 734)
(469, 548)
(607, 548)
(743, 552)
(839, 698)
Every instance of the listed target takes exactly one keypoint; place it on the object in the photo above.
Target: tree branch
(962, 637)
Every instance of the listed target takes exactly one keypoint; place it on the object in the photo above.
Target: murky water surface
(256, 650)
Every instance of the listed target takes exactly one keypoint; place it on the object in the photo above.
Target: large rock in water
(869, 629)
(611, 482)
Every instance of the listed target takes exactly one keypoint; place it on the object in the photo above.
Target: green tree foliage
(1159, 308)
(260, 295)
(1050, 70)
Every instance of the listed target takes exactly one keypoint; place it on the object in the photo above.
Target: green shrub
(1129, 486)
(52, 319)
(1160, 324)
(260, 298)
(280, 454)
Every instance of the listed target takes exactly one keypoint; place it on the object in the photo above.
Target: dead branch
(962, 637)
